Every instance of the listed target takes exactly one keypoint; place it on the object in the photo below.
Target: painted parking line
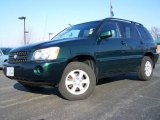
(7, 101)
(5, 88)
(22, 102)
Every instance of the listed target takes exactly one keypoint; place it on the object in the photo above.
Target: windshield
(78, 31)
(5, 50)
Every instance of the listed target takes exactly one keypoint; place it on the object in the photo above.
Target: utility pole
(111, 9)
(24, 18)
(50, 35)
(70, 25)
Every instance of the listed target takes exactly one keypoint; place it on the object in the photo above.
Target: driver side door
(111, 51)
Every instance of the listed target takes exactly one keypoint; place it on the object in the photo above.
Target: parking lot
(116, 98)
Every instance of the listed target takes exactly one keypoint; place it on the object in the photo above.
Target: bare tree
(155, 31)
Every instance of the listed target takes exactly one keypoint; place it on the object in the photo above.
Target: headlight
(46, 54)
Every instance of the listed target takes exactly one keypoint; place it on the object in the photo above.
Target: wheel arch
(151, 55)
(87, 59)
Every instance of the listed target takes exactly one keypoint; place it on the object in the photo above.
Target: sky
(52, 16)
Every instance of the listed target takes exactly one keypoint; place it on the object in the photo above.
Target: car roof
(112, 19)
(123, 20)
(5, 48)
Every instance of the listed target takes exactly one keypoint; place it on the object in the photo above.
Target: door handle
(123, 42)
(141, 42)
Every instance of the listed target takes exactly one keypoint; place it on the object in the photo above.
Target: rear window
(145, 35)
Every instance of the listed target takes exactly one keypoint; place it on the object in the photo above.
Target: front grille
(18, 57)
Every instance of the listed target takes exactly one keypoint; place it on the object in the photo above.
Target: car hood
(52, 43)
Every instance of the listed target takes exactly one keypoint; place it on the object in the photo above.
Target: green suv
(76, 58)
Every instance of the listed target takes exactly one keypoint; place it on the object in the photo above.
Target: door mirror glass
(0, 53)
(106, 34)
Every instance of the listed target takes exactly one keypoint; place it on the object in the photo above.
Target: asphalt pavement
(116, 98)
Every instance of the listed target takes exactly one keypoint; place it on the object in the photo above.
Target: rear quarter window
(144, 33)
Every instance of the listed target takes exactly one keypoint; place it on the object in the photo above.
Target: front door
(112, 51)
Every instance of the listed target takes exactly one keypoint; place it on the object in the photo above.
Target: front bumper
(40, 73)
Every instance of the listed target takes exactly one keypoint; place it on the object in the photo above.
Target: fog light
(38, 70)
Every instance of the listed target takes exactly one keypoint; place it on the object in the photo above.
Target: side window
(88, 32)
(128, 33)
(71, 34)
(127, 30)
(145, 35)
(136, 33)
(111, 26)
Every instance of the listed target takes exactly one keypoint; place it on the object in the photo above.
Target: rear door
(134, 46)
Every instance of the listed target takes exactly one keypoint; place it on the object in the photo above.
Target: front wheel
(145, 71)
(78, 81)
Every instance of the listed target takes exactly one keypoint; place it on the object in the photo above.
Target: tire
(78, 81)
(145, 70)
(30, 87)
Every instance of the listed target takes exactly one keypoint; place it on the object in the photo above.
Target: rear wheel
(145, 71)
(78, 81)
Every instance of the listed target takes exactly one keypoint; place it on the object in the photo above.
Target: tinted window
(127, 30)
(136, 34)
(144, 33)
(0, 53)
(111, 26)
(6, 50)
(72, 34)
(78, 31)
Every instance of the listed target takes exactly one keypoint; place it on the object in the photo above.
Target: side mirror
(105, 34)
(0, 53)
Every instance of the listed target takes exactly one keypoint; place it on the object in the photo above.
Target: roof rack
(118, 19)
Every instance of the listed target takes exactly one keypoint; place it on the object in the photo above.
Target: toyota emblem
(15, 56)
